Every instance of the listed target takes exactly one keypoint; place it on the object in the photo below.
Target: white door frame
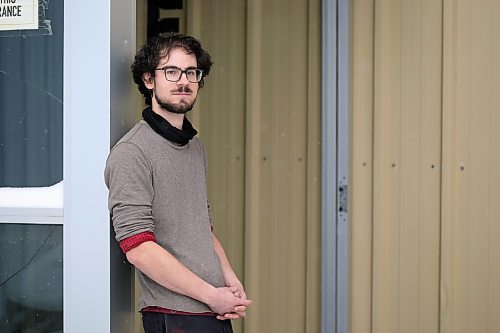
(98, 48)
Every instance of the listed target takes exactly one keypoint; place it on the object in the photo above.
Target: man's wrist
(208, 295)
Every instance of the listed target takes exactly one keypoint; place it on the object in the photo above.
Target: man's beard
(180, 108)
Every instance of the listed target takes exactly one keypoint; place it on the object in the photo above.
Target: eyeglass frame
(182, 71)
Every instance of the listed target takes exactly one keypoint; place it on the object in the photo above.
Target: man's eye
(171, 71)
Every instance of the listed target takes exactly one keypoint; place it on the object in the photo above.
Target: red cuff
(129, 243)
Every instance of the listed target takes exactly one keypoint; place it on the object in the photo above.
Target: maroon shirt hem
(175, 312)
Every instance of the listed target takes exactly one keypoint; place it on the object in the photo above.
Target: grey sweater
(158, 186)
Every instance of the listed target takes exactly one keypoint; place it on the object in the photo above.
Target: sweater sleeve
(129, 179)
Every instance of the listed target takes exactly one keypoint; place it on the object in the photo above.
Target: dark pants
(169, 323)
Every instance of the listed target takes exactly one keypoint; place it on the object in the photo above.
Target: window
(31, 106)
(31, 289)
(31, 174)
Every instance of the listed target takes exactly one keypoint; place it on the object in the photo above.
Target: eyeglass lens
(174, 74)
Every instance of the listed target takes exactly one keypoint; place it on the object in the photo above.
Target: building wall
(425, 158)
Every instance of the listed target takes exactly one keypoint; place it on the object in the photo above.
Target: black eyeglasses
(174, 74)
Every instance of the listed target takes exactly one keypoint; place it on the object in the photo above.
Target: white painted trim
(86, 146)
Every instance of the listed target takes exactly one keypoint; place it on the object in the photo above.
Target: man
(156, 175)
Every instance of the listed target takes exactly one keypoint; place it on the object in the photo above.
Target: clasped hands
(232, 303)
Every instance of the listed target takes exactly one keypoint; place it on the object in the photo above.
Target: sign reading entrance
(18, 14)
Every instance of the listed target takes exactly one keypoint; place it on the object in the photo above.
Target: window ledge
(32, 204)
(31, 215)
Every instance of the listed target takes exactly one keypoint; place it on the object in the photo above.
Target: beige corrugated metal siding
(407, 107)
(425, 162)
(362, 166)
(471, 174)
(259, 117)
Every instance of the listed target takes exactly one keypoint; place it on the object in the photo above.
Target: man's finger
(240, 308)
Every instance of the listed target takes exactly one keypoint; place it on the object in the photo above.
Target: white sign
(18, 14)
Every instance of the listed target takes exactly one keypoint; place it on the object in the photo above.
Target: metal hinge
(342, 198)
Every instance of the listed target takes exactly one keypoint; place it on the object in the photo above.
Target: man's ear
(148, 80)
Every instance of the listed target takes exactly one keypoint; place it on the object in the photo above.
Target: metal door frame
(99, 44)
(335, 165)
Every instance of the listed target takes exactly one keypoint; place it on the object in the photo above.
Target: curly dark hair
(148, 57)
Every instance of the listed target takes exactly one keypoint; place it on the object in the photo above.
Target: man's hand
(235, 285)
(238, 311)
(224, 301)
(232, 283)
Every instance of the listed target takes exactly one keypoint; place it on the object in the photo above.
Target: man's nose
(183, 80)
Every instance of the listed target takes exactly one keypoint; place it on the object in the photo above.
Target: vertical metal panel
(86, 145)
(253, 205)
(314, 151)
(471, 182)
(343, 164)
(361, 207)
(329, 168)
(276, 165)
(335, 172)
(407, 151)
(386, 176)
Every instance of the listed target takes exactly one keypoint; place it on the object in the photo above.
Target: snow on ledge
(32, 197)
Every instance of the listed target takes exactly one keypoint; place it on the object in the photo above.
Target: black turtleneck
(161, 126)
